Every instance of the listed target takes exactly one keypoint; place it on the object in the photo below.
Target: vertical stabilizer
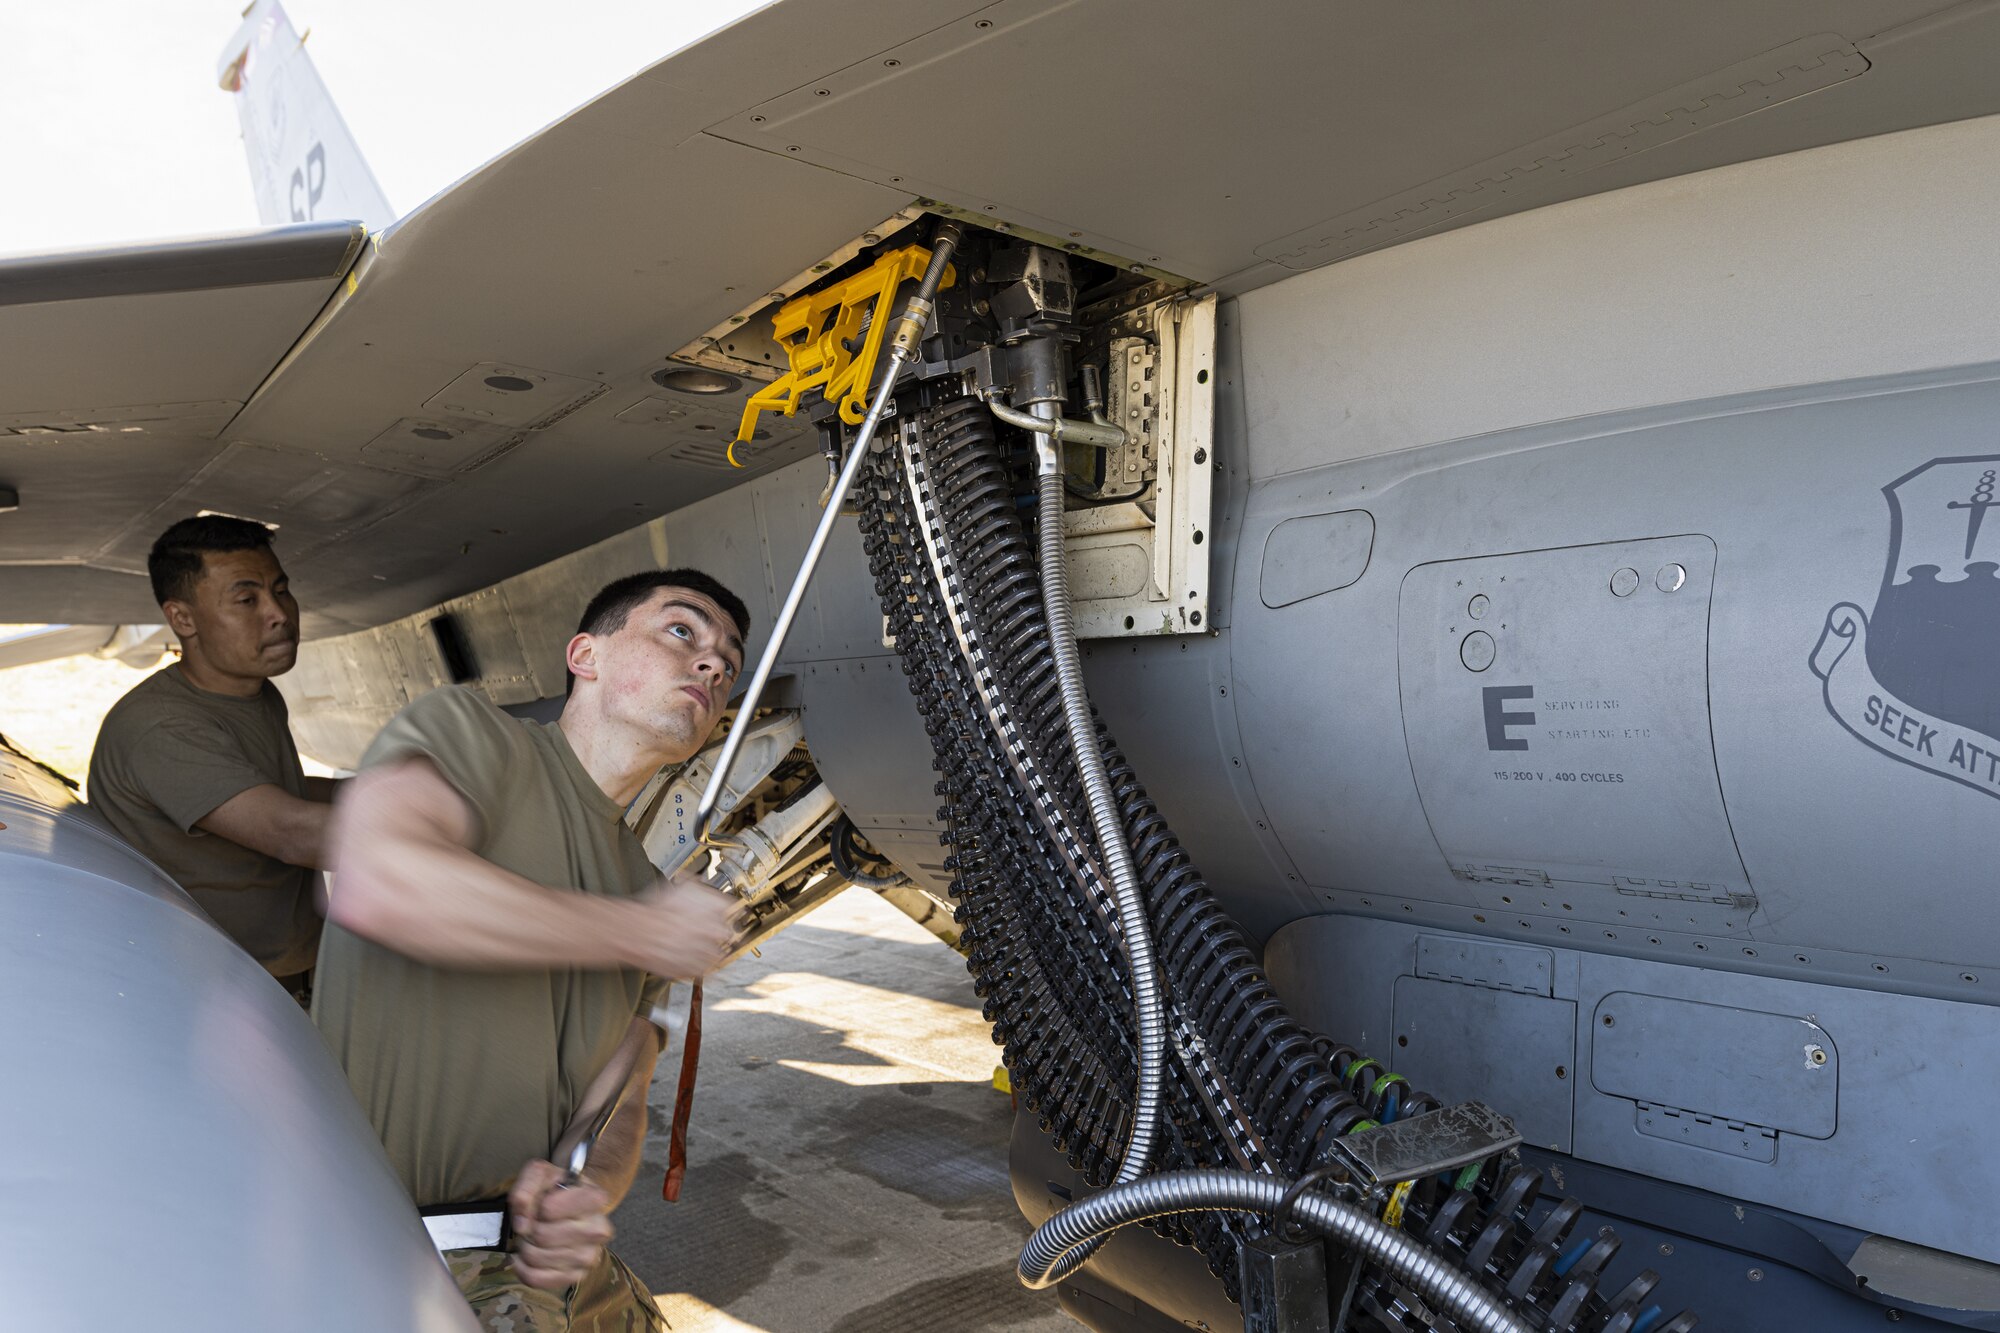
(303, 162)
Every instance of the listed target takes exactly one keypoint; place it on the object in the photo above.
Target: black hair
(175, 560)
(617, 600)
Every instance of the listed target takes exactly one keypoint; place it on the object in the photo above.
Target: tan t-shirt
(167, 755)
(469, 1075)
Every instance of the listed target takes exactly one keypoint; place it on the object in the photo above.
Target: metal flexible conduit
(1187, 1191)
(1135, 931)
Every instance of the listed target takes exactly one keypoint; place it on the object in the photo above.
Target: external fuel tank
(184, 1151)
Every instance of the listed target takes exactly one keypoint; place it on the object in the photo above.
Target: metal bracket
(1427, 1144)
(1284, 1286)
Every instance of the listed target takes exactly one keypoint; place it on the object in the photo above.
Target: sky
(116, 131)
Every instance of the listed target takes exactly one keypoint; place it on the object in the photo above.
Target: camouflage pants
(610, 1299)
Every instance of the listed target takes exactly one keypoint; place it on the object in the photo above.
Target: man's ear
(581, 657)
(180, 618)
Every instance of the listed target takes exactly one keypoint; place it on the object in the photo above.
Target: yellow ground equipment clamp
(824, 341)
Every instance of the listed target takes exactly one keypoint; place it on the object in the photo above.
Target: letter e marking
(1498, 719)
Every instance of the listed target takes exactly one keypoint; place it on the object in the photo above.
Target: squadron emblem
(1920, 680)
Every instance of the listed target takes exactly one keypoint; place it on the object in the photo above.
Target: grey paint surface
(1409, 108)
(122, 369)
(1858, 259)
(1444, 1045)
(1878, 1166)
(1806, 803)
(170, 1086)
(1778, 1071)
(1590, 682)
(1315, 553)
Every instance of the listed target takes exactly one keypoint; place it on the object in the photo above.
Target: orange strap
(677, 1143)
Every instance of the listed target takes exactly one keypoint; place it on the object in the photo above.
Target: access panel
(1465, 1043)
(1556, 708)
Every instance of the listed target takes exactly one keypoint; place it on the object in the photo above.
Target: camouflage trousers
(610, 1299)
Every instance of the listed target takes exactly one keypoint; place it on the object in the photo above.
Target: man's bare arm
(409, 880)
(322, 789)
(271, 820)
(614, 1159)
(559, 1232)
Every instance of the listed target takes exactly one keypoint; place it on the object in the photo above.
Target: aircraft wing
(478, 397)
(122, 367)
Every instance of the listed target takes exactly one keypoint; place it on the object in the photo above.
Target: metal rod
(903, 349)
(1093, 394)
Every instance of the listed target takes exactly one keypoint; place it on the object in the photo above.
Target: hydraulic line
(1096, 434)
(1188, 1191)
(841, 845)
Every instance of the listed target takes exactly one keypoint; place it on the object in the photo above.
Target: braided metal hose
(1135, 931)
(1089, 1220)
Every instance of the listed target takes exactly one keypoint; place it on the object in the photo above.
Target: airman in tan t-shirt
(167, 755)
(196, 767)
(491, 932)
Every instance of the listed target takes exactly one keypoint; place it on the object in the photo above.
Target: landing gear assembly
(1321, 1189)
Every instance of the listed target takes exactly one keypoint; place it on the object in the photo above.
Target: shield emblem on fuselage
(1934, 639)
(1925, 686)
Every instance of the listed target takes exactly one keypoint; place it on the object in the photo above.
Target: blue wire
(1648, 1319)
(1568, 1261)
(1389, 1106)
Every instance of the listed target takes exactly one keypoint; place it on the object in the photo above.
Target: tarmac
(847, 1155)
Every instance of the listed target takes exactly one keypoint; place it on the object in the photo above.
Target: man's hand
(684, 931)
(558, 1233)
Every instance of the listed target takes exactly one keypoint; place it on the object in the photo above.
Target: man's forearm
(268, 819)
(614, 1162)
(307, 833)
(614, 1159)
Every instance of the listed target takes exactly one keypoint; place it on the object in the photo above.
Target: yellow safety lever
(826, 346)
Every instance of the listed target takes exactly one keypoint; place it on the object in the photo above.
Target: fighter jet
(1415, 578)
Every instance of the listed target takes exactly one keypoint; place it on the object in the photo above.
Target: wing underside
(123, 369)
